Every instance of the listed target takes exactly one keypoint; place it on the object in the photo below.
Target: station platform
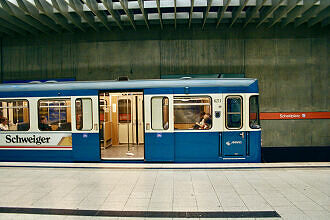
(30, 190)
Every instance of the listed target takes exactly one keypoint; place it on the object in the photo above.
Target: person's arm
(4, 127)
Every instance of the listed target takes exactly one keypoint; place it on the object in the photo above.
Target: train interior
(121, 125)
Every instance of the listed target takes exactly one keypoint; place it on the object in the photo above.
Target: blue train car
(184, 120)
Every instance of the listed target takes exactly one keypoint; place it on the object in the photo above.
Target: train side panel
(60, 141)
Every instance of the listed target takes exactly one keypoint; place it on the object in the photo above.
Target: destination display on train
(36, 140)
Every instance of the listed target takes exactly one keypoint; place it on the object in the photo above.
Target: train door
(234, 139)
(121, 125)
(159, 142)
(85, 132)
(253, 128)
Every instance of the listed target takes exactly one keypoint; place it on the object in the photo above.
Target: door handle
(242, 134)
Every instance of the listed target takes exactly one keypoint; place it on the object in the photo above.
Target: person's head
(202, 114)
(43, 120)
(3, 120)
(207, 115)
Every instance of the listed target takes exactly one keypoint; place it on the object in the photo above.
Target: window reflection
(54, 115)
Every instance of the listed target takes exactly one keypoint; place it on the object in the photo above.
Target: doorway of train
(121, 125)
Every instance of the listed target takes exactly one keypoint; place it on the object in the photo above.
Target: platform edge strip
(164, 214)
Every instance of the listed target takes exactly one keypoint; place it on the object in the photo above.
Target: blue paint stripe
(201, 90)
(52, 93)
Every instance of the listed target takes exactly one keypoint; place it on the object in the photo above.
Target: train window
(124, 110)
(14, 115)
(84, 116)
(159, 113)
(234, 112)
(254, 120)
(192, 112)
(54, 114)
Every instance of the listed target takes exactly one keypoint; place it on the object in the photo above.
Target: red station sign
(294, 115)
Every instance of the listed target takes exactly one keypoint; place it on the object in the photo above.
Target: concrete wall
(291, 65)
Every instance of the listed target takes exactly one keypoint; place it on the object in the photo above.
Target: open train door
(85, 124)
(159, 130)
(121, 125)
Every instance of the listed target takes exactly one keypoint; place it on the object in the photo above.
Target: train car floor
(123, 151)
(164, 191)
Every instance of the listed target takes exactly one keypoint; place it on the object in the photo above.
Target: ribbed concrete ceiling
(22, 17)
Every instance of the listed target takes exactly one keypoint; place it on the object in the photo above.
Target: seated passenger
(200, 124)
(207, 121)
(43, 125)
(23, 126)
(4, 124)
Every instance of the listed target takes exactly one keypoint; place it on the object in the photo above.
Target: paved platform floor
(299, 191)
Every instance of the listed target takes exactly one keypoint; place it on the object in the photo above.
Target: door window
(234, 112)
(254, 120)
(159, 113)
(84, 116)
(124, 110)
